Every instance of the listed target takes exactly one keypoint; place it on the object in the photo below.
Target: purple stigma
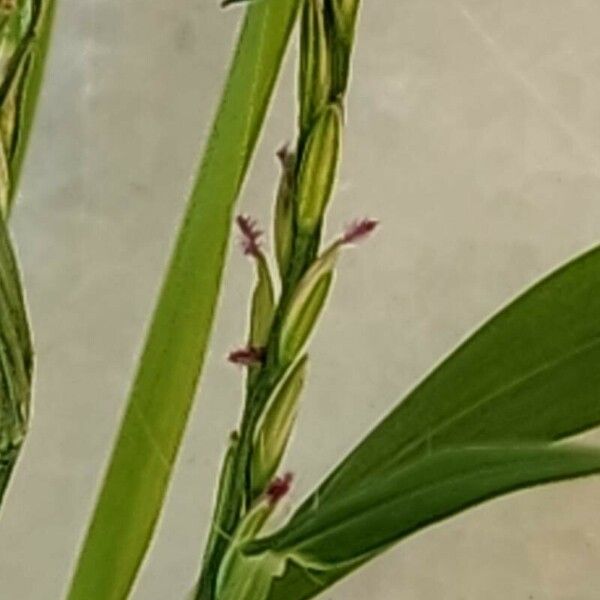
(247, 357)
(251, 235)
(279, 488)
(358, 230)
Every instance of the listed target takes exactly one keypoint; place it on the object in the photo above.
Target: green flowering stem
(275, 376)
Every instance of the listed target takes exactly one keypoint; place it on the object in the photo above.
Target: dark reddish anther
(283, 154)
(279, 487)
(358, 230)
(247, 357)
(250, 235)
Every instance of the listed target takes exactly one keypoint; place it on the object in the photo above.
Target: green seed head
(275, 428)
(303, 319)
(341, 16)
(284, 211)
(344, 13)
(315, 64)
(317, 169)
(306, 305)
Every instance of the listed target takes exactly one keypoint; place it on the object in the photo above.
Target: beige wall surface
(473, 135)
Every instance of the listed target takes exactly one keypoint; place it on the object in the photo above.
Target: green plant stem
(236, 485)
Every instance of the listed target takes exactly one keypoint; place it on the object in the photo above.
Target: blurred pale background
(474, 136)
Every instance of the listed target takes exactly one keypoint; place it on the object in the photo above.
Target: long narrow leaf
(142, 460)
(529, 374)
(328, 541)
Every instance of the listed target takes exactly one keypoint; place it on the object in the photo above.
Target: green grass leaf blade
(530, 375)
(138, 474)
(344, 534)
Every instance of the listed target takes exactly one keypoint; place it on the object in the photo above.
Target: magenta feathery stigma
(247, 357)
(279, 488)
(358, 230)
(251, 234)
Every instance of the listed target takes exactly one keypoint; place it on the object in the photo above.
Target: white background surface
(473, 135)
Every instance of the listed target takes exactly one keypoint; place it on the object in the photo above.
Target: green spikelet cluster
(284, 308)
